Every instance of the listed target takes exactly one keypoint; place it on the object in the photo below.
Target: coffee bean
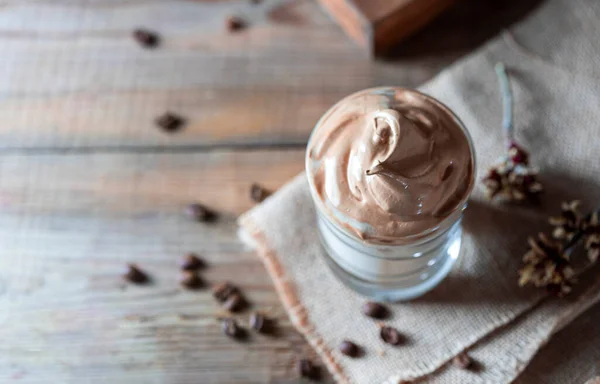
(234, 23)
(231, 328)
(350, 349)
(391, 335)
(258, 193)
(200, 213)
(462, 361)
(260, 323)
(308, 370)
(190, 280)
(169, 122)
(234, 302)
(135, 275)
(191, 262)
(222, 291)
(375, 310)
(146, 38)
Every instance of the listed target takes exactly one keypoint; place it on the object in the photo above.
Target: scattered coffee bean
(462, 361)
(201, 213)
(234, 302)
(190, 280)
(235, 23)
(169, 122)
(231, 328)
(135, 275)
(350, 349)
(308, 370)
(260, 323)
(191, 262)
(223, 291)
(258, 193)
(375, 310)
(146, 38)
(390, 335)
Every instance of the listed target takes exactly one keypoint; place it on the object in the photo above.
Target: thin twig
(507, 104)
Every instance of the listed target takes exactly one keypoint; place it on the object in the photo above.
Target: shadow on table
(498, 234)
(495, 238)
(463, 27)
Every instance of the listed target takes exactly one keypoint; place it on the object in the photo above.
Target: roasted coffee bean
(190, 280)
(146, 38)
(260, 323)
(462, 361)
(391, 335)
(234, 23)
(258, 193)
(231, 328)
(200, 212)
(135, 275)
(191, 262)
(308, 370)
(223, 291)
(234, 302)
(169, 122)
(375, 310)
(350, 349)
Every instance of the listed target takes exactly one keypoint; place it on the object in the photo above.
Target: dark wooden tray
(378, 25)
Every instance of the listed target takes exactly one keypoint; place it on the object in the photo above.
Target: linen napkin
(479, 306)
(560, 363)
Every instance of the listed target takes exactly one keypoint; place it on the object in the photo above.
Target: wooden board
(68, 83)
(69, 223)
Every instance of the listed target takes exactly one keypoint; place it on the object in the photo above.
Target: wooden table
(88, 183)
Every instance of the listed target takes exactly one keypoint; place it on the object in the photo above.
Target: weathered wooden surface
(87, 183)
(71, 76)
(68, 226)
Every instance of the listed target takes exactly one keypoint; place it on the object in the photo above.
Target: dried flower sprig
(547, 263)
(511, 177)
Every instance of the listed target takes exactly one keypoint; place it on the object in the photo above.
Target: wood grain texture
(87, 182)
(69, 223)
(71, 76)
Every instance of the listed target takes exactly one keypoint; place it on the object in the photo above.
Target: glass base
(403, 287)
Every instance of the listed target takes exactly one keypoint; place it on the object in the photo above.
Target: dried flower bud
(517, 154)
(512, 181)
(591, 230)
(568, 223)
(547, 265)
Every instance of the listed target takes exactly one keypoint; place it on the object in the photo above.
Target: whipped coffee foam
(389, 164)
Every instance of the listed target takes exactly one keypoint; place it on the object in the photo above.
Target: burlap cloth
(552, 59)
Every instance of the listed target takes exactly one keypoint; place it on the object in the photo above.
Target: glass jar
(392, 272)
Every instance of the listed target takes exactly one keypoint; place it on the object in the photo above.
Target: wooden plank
(72, 77)
(68, 223)
(75, 78)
